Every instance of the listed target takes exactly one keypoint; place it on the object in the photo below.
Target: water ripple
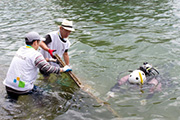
(111, 36)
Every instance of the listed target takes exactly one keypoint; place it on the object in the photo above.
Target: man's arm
(42, 64)
(156, 85)
(43, 44)
(66, 57)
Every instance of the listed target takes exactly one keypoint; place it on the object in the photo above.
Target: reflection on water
(111, 36)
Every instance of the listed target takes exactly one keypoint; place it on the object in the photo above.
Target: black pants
(13, 95)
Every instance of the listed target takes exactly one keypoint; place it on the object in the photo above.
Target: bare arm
(44, 46)
(123, 80)
(119, 83)
(156, 85)
(66, 58)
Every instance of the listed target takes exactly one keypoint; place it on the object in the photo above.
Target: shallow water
(111, 36)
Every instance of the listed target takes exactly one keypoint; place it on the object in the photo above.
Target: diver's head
(137, 76)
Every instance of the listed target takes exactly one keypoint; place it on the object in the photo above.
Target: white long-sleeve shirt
(23, 70)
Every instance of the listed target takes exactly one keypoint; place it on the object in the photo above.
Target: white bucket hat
(68, 25)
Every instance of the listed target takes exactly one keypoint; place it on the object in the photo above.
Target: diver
(146, 76)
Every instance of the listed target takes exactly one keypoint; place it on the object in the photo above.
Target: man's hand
(51, 52)
(66, 68)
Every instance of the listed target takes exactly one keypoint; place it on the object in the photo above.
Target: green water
(111, 36)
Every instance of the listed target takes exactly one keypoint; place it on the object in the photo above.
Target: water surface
(111, 36)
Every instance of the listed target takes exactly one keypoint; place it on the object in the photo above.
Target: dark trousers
(14, 94)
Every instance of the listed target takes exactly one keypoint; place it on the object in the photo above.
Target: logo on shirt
(20, 56)
(21, 84)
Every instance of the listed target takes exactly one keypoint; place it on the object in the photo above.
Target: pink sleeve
(123, 80)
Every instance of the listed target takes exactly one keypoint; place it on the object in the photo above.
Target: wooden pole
(86, 88)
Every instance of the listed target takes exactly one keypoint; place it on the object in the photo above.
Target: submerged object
(86, 88)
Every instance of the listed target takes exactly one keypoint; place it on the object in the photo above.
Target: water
(111, 36)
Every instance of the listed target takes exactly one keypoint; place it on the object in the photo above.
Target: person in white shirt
(24, 67)
(57, 42)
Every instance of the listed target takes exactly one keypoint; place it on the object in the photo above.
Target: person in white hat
(57, 43)
(24, 67)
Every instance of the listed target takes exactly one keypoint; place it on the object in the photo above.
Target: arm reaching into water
(156, 86)
(42, 64)
(116, 87)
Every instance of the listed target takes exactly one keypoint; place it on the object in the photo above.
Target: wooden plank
(86, 88)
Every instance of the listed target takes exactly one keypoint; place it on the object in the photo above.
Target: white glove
(66, 68)
(70, 66)
(52, 60)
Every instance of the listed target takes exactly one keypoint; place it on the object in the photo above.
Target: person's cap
(29, 37)
(68, 25)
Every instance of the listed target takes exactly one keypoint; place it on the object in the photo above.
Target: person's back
(22, 72)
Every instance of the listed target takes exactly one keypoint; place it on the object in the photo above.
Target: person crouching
(24, 67)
